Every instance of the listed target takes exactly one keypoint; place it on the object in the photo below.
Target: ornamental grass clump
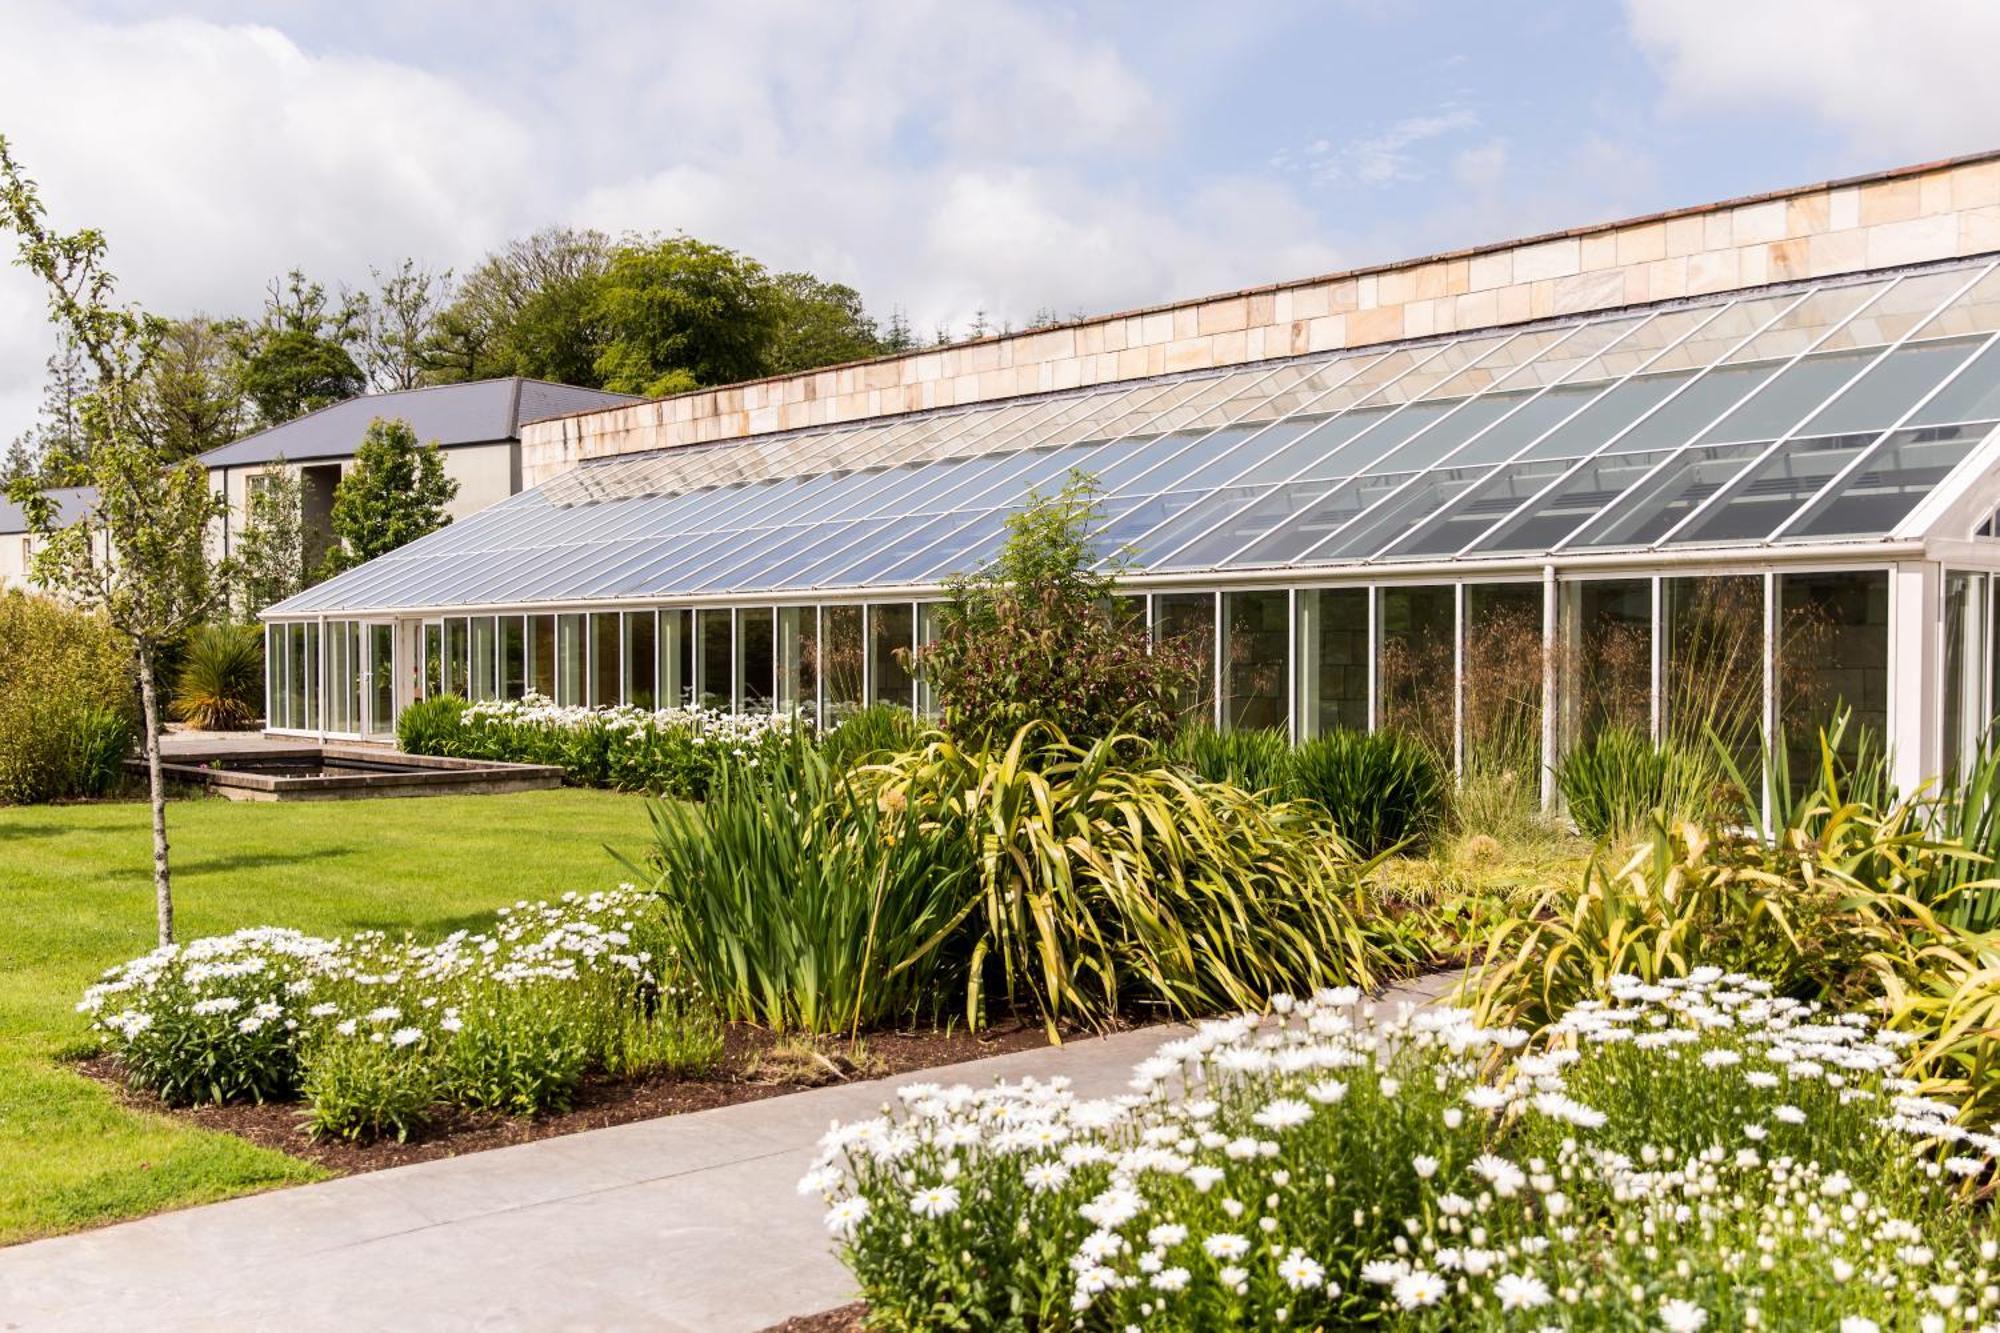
(1695, 1155)
(1109, 883)
(377, 1036)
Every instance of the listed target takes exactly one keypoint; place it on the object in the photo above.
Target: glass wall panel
(714, 659)
(296, 676)
(457, 654)
(756, 660)
(841, 655)
(312, 691)
(1965, 674)
(1833, 654)
(798, 660)
(676, 658)
(483, 636)
(1333, 660)
(1416, 667)
(604, 659)
(572, 659)
(381, 679)
(1712, 666)
(542, 655)
(1188, 619)
(513, 657)
(1607, 658)
(892, 628)
(1504, 660)
(434, 657)
(642, 659)
(927, 631)
(1254, 660)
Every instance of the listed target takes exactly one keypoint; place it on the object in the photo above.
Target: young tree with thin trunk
(140, 553)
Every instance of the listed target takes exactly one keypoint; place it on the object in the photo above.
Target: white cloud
(214, 157)
(1908, 81)
(1388, 157)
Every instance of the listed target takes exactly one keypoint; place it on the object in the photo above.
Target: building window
(1254, 660)
(1333, 660)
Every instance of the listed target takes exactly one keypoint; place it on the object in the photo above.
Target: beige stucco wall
(486, 474)
(1925, 213)
(14, 551)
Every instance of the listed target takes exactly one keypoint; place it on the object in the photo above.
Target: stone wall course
(1914, 215)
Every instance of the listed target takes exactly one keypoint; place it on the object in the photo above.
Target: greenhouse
(1726, 515)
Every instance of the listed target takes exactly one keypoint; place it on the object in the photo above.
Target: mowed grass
(76, 896)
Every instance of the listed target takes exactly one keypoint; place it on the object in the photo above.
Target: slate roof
(477, 412)
(71, 504)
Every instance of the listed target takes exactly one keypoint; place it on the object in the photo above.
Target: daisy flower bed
(364, 1052)
(1693, 1155)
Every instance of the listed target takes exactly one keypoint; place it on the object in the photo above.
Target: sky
(942, 156)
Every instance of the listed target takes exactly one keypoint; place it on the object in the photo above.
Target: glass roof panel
(1651, 508)
(1813, 412)
(1902, 470)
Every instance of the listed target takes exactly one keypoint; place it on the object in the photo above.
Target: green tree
(680, 313)
(192, 389)
(528, 309)
(140, 555)
(270, 555)
(819, 324)
(396, 325)
(295, 359)
(1039, 634)
(395, 493)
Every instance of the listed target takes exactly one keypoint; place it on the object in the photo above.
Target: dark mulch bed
(847, 1319)
(747, 1072)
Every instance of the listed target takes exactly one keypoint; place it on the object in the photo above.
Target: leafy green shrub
(870, 733)
(1039, 635)
(1381, 790)
(1257, 759)
(432, 726)
(1109, 882)
(364, 1090)
(63, 675)
(220, 682)
(808, 903)
(1332, 1169)
(1612, 781)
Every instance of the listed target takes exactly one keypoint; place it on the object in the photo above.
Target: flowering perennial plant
(678, 752)
(1688, 1155)
(375, 1033)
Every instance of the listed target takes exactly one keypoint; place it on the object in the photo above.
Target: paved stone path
(689, 1222)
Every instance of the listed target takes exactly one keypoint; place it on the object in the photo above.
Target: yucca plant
(1253, 758)
(1108, 881)
(869, 733)
(221, 682)
(808, 901)
(1383, 790)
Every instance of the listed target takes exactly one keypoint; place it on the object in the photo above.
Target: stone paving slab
(688, 1222)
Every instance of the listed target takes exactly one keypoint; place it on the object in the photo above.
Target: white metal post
(1549, 613)
(1771, 732)
(1216, 682)
(1656, 649)
(1458, 597)
(1374, 653)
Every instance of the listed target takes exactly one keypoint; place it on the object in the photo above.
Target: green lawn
(76, 897)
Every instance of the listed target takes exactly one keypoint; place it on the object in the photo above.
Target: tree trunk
(163, 888)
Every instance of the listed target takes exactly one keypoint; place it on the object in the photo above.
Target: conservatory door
(378, 680)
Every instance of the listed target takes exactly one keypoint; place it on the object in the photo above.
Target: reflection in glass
(798, 660)
(756, 659)
(1254, 660)
(1833, 655)
(714, 659)
(1504, 661)
(641, 660)
(1416, 667)
(457, 650)
(676, 658)
(1189, 619)
(892, 628)
(1965, 608)
(571, 659)
(1712, 670)
(433, 658)
(542, 655)
(604, 659)
(841, 662)
(513, 658)
(482, 657)
(1333, 660)
(1607, 637)
(382, 679)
